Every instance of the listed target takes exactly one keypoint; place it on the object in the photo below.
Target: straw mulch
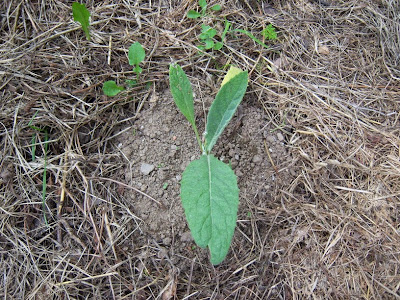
(330, 84)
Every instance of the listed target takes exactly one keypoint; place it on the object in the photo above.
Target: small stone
(324, 50)
(234, 164)
(257, 159)
(174, 147)
(178, 177)
(146, 169)
(237, 156)
(280, 136)
(271, 139)
(238, 173)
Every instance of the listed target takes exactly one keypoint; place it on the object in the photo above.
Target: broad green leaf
(81, 15)
(136, 54)
(216, 7)
(224, 106)
(110, 88)
(210, 198)
(192, 14)
(182, 93)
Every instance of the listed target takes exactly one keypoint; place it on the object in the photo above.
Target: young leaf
(192, 14)
(216, 7)
(203, 5)
(210, 198)
(209, 44)
(81, 15)
(136, 54)
(224, 106)
(218, 46)
(182, 93)
(110, 88)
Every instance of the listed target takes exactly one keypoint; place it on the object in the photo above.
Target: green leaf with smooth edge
(110, 88)
(218, 46)
(192, 14)
(210, 198)
(136, 54)
(209, 44)
(81, 15)
(216, 7)
(182, 93)
(224, 106)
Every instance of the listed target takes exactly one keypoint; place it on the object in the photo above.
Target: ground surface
(315, 145)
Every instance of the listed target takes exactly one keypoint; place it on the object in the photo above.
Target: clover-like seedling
(81, 15)
(209, 191)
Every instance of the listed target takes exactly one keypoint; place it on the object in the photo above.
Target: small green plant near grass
(192, 14)
(136, 55)
(269, 33)
(208, 35)
(81, 15)
(209, 191)
(33, 156)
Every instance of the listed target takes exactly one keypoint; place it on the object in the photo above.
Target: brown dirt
(315, 146)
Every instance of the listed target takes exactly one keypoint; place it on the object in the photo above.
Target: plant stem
(198, 137)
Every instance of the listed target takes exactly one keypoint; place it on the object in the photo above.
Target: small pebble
(174, 147)
(280, 136)
(146, 169)
(271, 139)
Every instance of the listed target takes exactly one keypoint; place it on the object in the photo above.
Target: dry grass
(332, 233)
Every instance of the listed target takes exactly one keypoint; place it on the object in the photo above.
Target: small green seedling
(81, 15)
(209, 191)
(269, 33)
(192, 14)
(136, 55)
(207, 37)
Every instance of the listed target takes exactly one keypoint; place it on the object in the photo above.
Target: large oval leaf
(210, 197)
(224, 106)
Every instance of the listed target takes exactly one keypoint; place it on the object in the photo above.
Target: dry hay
(330, 85)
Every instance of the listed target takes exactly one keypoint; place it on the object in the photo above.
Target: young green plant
(209, 191)
(192, 14)
(136, 55)
(81, 15)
